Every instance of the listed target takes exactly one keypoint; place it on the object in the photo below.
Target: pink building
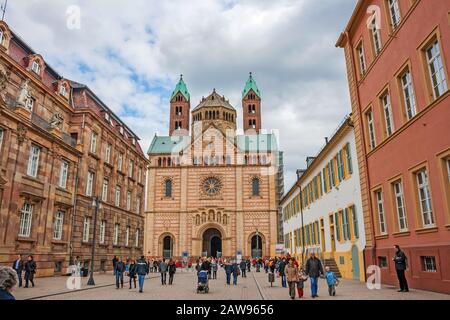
(398, 55)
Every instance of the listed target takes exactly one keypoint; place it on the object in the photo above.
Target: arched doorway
(212, 242)
(257, 246)
(167, 247)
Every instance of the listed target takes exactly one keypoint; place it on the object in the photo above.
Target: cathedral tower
(251, 104)
(180, 105)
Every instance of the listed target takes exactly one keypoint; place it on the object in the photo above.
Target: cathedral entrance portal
(212, 242)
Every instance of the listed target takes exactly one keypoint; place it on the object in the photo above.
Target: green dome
(182, 88)
(251, 84)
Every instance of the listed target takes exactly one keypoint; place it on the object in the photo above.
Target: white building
(328, 197)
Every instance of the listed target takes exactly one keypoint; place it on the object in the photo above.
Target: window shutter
(349, 159)
(336, 224)
(355, 222)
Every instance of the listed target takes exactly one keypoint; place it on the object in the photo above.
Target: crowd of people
(291, 273)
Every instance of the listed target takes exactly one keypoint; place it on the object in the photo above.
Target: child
(332, 281)
(302, 277)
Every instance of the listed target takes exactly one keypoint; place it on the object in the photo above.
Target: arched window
(197, 219)
(219, 217)
(168, 187)
(203, 217)
(159, 162)
(225, 219)
(255, 187)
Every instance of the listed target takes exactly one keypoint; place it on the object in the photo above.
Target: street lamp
(96, 204)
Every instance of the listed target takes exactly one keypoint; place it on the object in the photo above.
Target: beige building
(210, 191)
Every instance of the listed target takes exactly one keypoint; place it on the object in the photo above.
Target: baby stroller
(202, 285)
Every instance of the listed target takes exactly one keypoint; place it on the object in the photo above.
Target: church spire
(180, 105)
(181, 88)
(251, 104)
(251, 85)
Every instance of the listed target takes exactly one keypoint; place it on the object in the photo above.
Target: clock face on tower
(212, 186)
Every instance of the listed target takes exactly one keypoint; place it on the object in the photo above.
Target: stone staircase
(333, 266)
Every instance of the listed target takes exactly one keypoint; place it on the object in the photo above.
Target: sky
(131, 54)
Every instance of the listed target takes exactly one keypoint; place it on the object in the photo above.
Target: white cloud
(131, 54)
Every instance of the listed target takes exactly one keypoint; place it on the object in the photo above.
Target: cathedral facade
(211, 191)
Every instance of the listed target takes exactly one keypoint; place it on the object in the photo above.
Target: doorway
(257, 245)
(212, 242)
(167, 247)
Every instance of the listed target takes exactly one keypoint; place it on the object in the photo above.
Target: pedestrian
(206, 265)
(142, 271)
(120, 269)
(228, 270)
(401, 264)
(302, 277)
(132, 272)
(155, 266)
(332, 281)
(272, 265)
(30, 270)
(314, 269)
(243, 267)
(172, 270)
(198, 266)
(114, 262)
(163, 271)
(214, 268)
(249, 264)
(236, 272)
(281, 271)
(8, 280)
(292, 277)
(18, 267)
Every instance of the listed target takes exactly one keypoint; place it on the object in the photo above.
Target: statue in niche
(24, 94)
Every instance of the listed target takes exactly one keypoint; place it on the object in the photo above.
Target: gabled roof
(251, 85)
(182, 88)
(167, 145)
(214, 100)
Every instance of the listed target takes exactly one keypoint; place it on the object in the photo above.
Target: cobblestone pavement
(254, 287)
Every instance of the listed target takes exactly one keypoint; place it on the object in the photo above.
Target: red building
(397, 54)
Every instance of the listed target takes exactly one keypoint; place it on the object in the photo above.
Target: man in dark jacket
(141, 270)
(120, 269)
(18, 267)
(314, 269)
(30, 269)
(114, 262)
(243, 267)
(400, 262)
(228, 267)
(281, 270)
(163, 271)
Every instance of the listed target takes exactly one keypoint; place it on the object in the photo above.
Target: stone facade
(201, 196)
(46, 124)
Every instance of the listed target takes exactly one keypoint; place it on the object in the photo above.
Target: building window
(129, 200)
(382, 262)
(355, 222)
(116, 234)
(26, 218)
(346, 224)
(120, 162)
(58, 225)
(89, 183)
(62, 90)
(33, 161)
(255, 187)
(63, 173)
(36, 67)
(117, 198)
(138, 205)
(140, 175)
(380, 211)
(102, 231)
(436, 70)
(376, 37)
(349, 158)
(408, 95)
(108, 153)
(387, 111)
(394, 10)
(340, 166)
(362, 59)
(136, 238)
(86, 229)
(29, 105)
(371, 128)
(93, 148)
(337, 226)
(130, 169)
(425, 198)
(168, 187)
(105, 188)
(400, 206)
(2, 37)
(429, 264)
(127, 236)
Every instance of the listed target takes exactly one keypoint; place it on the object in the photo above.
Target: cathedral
(212, 191)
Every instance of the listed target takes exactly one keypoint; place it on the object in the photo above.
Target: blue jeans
(228, 278)
(119, 279)
(235, 278)
(283, 280)
(141, 279)
(314, 286)
(19, 276)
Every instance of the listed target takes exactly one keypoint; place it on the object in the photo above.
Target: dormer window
(121, 130)
(107, 116)
(30, 104)
(133, 141)
(5, 35)
(2, 36)
(36, 67)
(62, 90)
